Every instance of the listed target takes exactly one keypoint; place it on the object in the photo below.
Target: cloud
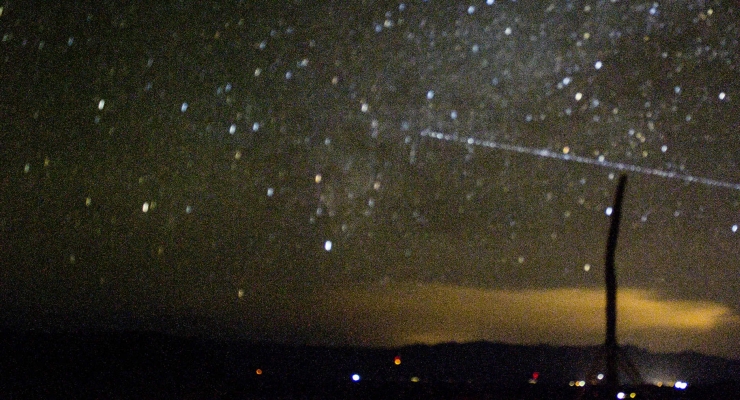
(404, 313)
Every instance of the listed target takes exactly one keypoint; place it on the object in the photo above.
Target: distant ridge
(132, 364)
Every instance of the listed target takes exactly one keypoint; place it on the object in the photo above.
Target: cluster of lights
(623, 395)
(681, 385)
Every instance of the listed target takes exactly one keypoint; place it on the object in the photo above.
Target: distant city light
(397, 360)
(355, 377)
(680, 385)
(258, 371)
(609, 211)
(414, 379)
(621, 395)
(328, 245)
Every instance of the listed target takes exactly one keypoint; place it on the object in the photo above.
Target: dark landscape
(152, 365)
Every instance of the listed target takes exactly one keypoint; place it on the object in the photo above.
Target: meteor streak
(601, 162)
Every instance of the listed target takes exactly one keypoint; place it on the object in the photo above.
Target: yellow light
(397, 360)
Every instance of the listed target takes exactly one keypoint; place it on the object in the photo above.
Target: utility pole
(610, 342)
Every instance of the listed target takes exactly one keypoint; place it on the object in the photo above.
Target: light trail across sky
(601, 162)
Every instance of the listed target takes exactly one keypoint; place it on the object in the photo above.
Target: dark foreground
(155, 366)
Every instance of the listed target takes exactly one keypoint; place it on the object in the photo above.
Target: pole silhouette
(610, 342)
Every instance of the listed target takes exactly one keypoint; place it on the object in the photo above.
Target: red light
(397, 360)
(535, 375)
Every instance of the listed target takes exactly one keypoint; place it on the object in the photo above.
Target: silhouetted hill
(153, 365)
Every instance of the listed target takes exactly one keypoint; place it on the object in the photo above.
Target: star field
(241, 167)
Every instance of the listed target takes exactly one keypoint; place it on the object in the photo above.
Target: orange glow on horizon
(400, 314)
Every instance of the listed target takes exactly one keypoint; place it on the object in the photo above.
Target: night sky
(372, 173)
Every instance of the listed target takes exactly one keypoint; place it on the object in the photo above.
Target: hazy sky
(372, 172)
